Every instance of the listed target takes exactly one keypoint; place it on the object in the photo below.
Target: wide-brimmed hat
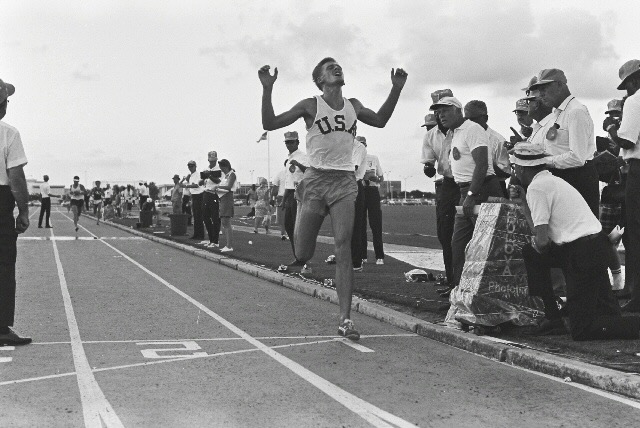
(6, 90)
(628, 68)
(440, 93)
(446, 101)
(430, 120)
(549, 75)
(614, 106)
(522, 105)
(175, 176)
(527, 154)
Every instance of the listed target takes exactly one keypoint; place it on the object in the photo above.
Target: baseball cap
(75, 177)
(627, 69)
(291, 136)
(361, 139)
(212, 155)
(521, 105)
(440, 93)
(446, 101)
(429, 120)
(527, 154)
(532, 95)
(614, 105)
(549, 75)
(6, 90)
(532, 82)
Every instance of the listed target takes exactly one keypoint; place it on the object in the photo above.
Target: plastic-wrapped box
(493, 288)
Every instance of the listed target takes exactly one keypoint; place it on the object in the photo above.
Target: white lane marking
(364, 336)
(95, 407)
(33, 379)
(372, 414)
(185, 346)
(6, 348)
(78, 238)
(354, 345)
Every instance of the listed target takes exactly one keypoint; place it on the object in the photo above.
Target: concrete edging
(579, 372)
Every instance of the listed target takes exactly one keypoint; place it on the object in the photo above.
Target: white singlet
(330, 138)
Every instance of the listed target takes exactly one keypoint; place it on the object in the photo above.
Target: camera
(210, 174)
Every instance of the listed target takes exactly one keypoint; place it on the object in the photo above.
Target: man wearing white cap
(329, 185)
(626, 134)
(210, 179)
(296, 164)
(13, 191)
(522, 116)
(576, 245)
(472, 168)
(436, 148)
(570, 138)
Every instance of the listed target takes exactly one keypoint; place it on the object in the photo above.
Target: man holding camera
(626, 134)
(435, 149)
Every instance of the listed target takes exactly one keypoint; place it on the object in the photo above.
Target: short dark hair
(318, 69)
(478, 106)
(225, 163)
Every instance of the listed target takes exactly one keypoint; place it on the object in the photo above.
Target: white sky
(118, 90)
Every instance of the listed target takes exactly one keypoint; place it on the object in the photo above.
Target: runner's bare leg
(342, 214)
(305, 233)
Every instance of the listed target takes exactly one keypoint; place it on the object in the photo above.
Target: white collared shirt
(550, 198)
(435, 149)
(359, 159)
(194, 178)
(45, 190)
(575, 142)
(11, 151)
(373, 167)
(291, 179)
(630, 126)
(465, 138)
(209, 185)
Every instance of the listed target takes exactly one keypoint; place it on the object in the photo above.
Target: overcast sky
(129, 90)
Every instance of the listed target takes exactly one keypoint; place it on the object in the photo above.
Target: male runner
(97, 192)
(329, 185)
(77, 192)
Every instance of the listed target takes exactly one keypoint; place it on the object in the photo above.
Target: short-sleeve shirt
(194, 178)
(464, 140)
(11, 151)
(550, 199)
(575, 141)
(291, 179)
(209, 185)
(435, 148)
(630, 126)
(498, 150)
(359, 158)
(45, 190)
(372, 164)
(279, 181)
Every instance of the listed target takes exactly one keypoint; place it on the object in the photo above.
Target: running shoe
(380, 261)
(347, 330)
(76, 228)
(203, 243)
(212, 245)
(226, 250)
(358, 269)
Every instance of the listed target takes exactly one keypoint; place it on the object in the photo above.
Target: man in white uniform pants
(329, 185)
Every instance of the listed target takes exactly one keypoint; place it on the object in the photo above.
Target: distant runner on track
(329, 185)
(77, 192)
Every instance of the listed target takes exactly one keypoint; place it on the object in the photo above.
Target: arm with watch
(611, 125)
(480, 157)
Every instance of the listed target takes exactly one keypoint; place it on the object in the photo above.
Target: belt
(468, 183)
(584, 239)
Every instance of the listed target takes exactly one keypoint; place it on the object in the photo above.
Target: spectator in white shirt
(45, 200)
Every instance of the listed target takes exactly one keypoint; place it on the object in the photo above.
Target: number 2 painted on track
(167, 352)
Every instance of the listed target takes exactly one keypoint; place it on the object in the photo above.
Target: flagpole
(268, 160)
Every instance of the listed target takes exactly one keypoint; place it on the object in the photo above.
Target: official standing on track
(435, 150)
(45, 201)
(627, 136)
(372, 209)
(210, 201)
(570, 139)
(191, 182)
(359, 221)
(295, 166)
(13, 191)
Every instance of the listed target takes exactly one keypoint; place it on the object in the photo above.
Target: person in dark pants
(45, 201)
(210, 202)
(370, 184)
(435, 149)
(569, 136)
(186, 194)
(191, 182)
(576, 244)
(295, 166)
(13, 191)
(626, 134)
(359, 219)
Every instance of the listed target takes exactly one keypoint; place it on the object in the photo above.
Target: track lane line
(372, 414)
(96, 409)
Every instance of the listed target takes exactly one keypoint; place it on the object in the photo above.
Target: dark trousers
(45, 208)
(447, 197)
(290, 211)
(186, 208)
(632, 231)
(211, 215)
(585, 180)
(198, 225)
(374, 212)
(463, 226)
(143, 199)
(8, 252)
(86, 202)
(359, 225)
(591, 307)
